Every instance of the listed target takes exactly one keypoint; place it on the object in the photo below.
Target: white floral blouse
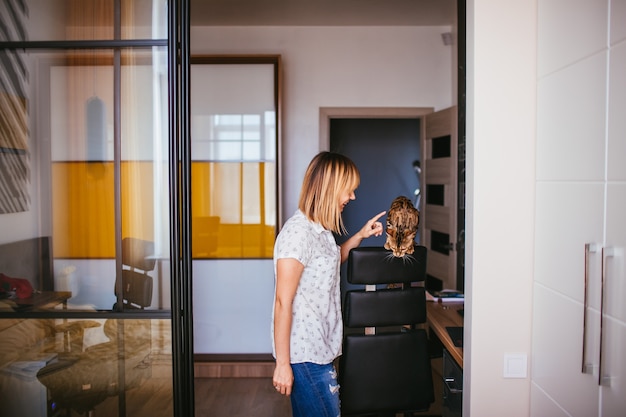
(316, 329)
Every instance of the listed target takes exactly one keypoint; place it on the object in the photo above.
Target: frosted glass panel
(95, 19)
(233, 112)
(234, 137)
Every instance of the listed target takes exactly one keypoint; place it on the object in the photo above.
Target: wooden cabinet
(579, 317)
(558, 299)
(612, 368)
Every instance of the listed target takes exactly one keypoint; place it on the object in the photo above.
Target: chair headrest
(138, 253)
(376, 265)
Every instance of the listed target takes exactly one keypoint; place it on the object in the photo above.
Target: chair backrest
(137, 259)
(385, 370)
(138, 254)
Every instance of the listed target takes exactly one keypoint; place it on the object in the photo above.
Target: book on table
(445, 296)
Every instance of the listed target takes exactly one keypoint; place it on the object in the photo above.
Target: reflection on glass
(74, 367)
(95, 19)
(234, 168)
(83, 201)
(90, 130)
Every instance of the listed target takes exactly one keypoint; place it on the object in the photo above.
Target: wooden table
(442, 315)
(44, 300)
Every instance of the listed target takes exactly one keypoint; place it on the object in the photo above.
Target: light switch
(515, 365)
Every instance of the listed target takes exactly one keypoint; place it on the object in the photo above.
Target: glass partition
(109, 174)
(234, 139)
(93, 19)
(234, 124)
(85, 323)
(109, 367)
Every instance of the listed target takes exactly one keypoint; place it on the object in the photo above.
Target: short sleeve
(294, 241)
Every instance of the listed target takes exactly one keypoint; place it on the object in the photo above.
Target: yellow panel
(83, 207)
(200, 186)
(82, 210)
(84, 217)
(137, 199)
(229, 210)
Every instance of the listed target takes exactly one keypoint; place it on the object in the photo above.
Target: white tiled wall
(580, 193)
(618, 21)
(571, 121)
(617, 109)
(556, 369)
(569, 31)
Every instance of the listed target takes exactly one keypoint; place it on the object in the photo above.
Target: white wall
(340, 67)
(501, 114)
(233, 302)
(322, 67)
(19, 226)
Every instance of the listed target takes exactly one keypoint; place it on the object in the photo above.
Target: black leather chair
(136, 289)
(385, 367)
(138, 260)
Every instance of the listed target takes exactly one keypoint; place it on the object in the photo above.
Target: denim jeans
(315, 390)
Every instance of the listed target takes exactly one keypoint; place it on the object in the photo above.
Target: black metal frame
(178, 44)
(461, 100)
(180, 208)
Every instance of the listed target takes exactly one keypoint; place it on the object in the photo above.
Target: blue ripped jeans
(315, 390)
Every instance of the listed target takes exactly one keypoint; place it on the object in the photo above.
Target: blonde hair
(327, 177)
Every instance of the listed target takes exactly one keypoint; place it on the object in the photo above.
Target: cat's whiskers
(405, 258)
(408, 259)
(389, 257)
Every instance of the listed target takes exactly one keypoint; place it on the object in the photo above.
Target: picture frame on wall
(14, 155)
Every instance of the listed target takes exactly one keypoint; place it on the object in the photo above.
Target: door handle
(607, 253)
(590, 248)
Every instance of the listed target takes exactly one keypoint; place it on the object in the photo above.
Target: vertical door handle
(587, 368)
(606, 253)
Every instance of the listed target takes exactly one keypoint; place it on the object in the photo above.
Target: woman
(307, 327)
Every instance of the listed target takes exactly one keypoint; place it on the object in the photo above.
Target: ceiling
(323, 12)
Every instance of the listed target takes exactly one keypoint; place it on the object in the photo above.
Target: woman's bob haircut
(327, 177)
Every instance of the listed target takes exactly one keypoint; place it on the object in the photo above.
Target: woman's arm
(288, 273)
(371, 228)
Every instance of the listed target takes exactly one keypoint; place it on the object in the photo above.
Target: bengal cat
(402, 222)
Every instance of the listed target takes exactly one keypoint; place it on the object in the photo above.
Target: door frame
(328, 113)
(421, 113)
(439, 216)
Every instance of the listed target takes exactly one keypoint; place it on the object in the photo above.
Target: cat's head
(402, 222)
